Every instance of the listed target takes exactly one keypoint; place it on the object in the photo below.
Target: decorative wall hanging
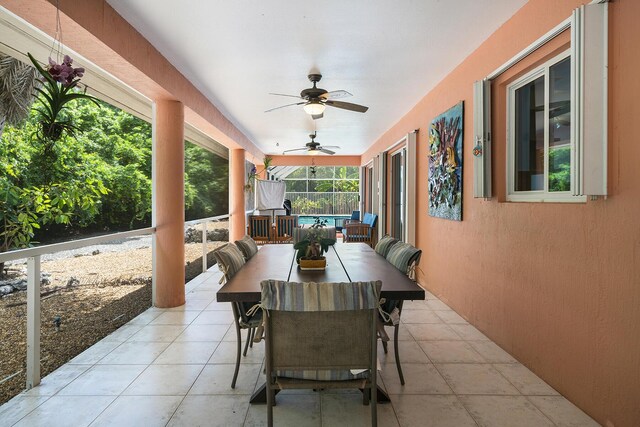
(445, 164)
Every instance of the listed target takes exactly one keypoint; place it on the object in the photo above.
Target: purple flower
(254, 170)
(64, 73)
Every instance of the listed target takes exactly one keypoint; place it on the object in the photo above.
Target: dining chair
(259, 228)
(361, 231)
(307, 345)
(230, 260)
(405, 258)
(285, 224)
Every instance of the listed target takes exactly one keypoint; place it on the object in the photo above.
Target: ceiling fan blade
(347, 106)
(288, 105)
(295, 149)
(325, 151)
(284, 94)
(317, 116)
(336, 94)
(331, 146)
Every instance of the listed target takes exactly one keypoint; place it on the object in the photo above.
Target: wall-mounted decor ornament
(445, 164)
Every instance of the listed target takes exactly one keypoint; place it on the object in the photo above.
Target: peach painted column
(168, 136)
(237, 227)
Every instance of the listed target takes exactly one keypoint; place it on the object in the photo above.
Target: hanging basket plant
(59, 87)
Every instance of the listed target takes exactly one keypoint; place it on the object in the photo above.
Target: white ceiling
(388, 54)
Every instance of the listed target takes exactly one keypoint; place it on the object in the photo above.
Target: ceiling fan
(314, 148)
(316, 99)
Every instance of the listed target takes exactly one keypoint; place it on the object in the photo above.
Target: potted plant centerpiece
(315, 244)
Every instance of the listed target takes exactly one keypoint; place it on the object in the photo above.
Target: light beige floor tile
(71, 411)
(469, 333)
(94, 353)
(214, 317)
(347, 410)
(524, 380)
(167, 380)
(415, 305)
(231, 335)
(451, 317)
(183, 317)
(12, 411)
(562, 412)
(431, 411)
(291, 410)
(103, 380)
(436, 305)
(158, 333)
(492, 352)
(226, 353)
(419, 379)
(146, 317)
(134, 353)
(201, 295)
(187, 353)
(123, 333)
(191, 305)
(210, 411)
(57, 380)
(403, 332)
(450, 352)
(135, 411)
(475, 378)
(428, 331)
(419, 316)
(219, 306)
(216, 379)
(504, 411)
(194, 333)
(410, 352)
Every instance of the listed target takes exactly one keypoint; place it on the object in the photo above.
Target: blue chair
(339, 222)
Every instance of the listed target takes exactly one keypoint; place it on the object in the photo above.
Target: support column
(237, 227)
(168, 203)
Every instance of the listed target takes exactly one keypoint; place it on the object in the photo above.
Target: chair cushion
(247, 246)
(301, 233)
(230, 259)
(385, 244)
(292, 296)
(402, 255)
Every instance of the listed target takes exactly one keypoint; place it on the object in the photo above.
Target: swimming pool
(310, 219)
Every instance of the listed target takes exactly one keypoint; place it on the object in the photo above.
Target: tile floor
(173, 368)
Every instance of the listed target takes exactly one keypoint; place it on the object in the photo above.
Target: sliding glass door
(398, 193)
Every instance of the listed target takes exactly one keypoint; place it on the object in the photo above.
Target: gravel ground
(93, 294)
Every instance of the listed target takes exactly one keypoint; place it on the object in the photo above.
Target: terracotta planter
(313, 264)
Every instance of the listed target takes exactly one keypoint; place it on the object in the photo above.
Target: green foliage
(316, 242)
(206, 183)
(560, 169)
(303, 205)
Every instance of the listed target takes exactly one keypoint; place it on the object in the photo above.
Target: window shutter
(482, 139)
(589, 54)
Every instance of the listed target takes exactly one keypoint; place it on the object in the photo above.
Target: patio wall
(556, 285)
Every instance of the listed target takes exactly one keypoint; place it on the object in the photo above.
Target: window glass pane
(324, 172)
(301, 172)
(529, 136)
(321, 186)
(296, 185)
(347, 185)
(560, 126)
(353, 172)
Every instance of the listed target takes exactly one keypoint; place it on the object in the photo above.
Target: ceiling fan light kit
(314, 108)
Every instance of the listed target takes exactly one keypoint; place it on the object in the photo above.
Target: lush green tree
(560, 169)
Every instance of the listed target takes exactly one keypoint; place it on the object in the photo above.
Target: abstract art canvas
(445, 164)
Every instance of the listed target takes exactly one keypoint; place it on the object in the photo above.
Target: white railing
(33, 281)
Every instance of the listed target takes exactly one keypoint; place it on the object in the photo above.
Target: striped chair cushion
(301, 233)
(402, 255)
(230, 259)
(247, 246)
(385, 244)
(292, 296)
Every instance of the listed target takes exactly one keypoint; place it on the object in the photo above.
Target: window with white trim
(540, 140)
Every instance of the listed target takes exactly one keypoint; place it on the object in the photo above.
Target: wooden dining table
(346, 262)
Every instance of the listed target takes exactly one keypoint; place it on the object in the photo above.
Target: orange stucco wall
(556, 285)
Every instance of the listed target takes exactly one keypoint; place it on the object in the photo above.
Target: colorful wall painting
(445, 164)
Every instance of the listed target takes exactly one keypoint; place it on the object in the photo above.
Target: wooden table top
(346, 262)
